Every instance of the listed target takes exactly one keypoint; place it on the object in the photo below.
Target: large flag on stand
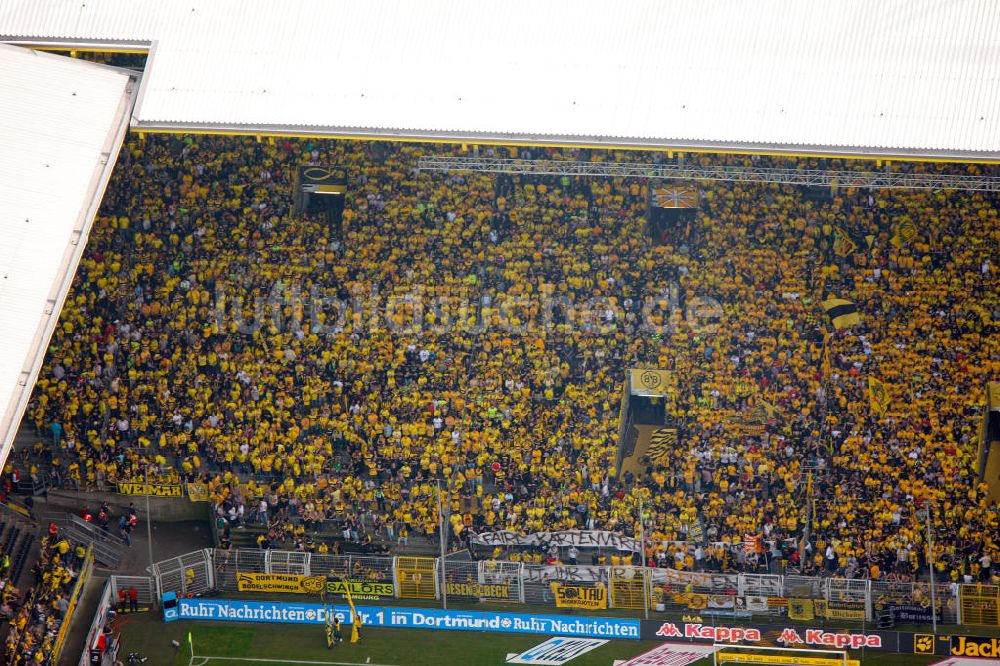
(842, 312)
(675, 197)
(842, 243)
(355, 616)
(904, 233)
(878, 396)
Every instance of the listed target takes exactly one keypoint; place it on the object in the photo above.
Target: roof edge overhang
(566, 141)
(10, 419)
(72, 44)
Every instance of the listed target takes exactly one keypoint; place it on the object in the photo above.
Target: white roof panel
(62, 122)
(894, 77)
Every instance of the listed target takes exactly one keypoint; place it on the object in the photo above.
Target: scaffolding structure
(678, 171)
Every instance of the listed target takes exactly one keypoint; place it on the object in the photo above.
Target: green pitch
(221, 644)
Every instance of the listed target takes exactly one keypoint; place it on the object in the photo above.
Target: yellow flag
(800, 609)
(878, 396)
(355, 617)
(842, 312)
(827, 365)
(904, 233)
(842, 243)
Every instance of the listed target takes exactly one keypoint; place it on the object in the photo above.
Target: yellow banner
(288, 583)
(479, 590)
(649, 381)
(198, 492)
(744, 658)
(574, 596)
(360, 589)
(697, 601)
(838, 610)
(800, 609)
(155, 489)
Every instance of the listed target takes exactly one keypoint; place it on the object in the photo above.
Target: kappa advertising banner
(155, 489)
(422, 618)
(575, 596)
(777, 636)
(578, 538)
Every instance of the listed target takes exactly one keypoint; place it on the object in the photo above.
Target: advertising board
(422, 618)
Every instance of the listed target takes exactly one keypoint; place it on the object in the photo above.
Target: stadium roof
(894, 78)
(62, 122)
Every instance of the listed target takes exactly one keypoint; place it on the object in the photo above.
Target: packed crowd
(476, 330)
(35, 621)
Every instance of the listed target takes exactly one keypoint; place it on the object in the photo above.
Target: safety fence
(980, 605)
(86, 568)
(102, 641)
(734, 595)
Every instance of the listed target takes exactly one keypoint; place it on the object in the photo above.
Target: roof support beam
(807, 177)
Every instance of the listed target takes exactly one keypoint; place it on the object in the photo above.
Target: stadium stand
(35, 620)
(475, 330)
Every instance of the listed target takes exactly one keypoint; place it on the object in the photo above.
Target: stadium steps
(9, 540)
(20, 559)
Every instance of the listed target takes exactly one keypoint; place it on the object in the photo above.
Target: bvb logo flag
(904, 233)
(878, 396)
(649, 381)
(843, 246)
(800, 609)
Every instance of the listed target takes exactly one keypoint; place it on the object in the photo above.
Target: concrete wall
(163, 509)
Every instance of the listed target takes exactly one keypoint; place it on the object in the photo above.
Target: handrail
(81, 581)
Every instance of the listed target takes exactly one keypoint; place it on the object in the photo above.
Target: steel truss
(811, 177)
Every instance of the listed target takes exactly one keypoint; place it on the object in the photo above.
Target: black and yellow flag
(827, 364)
(878, 396)
(355, 616)
(800, 609)
(842, 244)
(904, 233)
(662, 442)
(767, 412)
(842, 313)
